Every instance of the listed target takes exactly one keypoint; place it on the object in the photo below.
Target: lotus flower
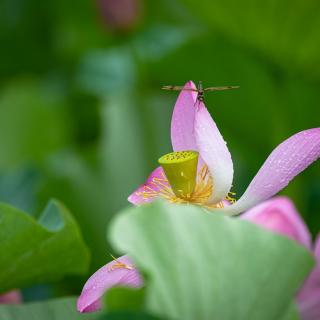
(280, 216)
(200, 170)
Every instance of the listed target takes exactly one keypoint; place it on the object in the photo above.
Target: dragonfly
(200, 90)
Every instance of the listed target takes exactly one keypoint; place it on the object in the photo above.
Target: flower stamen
(119, 265)
(202, 191)
(230, 197)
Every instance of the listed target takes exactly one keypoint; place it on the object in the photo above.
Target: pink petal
(214, 152)
(309, 296)
(285, 162)
(280, 215)
(182, 122)
(104, 279)
(314, 278)
(317, 249)
(150, 185)
(309, 304)
(12, 297)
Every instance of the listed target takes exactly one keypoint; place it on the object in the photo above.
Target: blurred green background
(82, 116)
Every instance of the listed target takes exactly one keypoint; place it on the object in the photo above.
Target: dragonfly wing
(221, 88)
(177, 88)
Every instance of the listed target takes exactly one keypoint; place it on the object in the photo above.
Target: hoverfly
(200, 90)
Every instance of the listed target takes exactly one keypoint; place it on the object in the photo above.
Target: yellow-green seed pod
(181, 170)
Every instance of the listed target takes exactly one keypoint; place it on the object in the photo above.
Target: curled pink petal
(11, 297)
(214, 152)
(280, 215)
(182, 122)
(106, 277)
(285, 162)
(149, 190)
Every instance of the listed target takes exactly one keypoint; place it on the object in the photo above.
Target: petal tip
(190, 84)
(131, 198)
(85, 306)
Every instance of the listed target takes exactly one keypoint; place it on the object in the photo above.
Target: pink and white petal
(214, 152)
(280, 216)
(148, 192)
(104, 279)
(11, 297)
(285, 162)
(182, 122)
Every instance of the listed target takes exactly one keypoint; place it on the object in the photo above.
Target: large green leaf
(207, 266)
(59, 309)
(292, 313)
(39, 251)
(63, 309)
(128, 302)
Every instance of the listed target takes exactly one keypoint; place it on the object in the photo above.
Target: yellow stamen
(119, 265)
(202, 191)
(230, 197)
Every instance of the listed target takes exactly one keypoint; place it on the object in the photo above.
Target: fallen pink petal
(119, 272)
